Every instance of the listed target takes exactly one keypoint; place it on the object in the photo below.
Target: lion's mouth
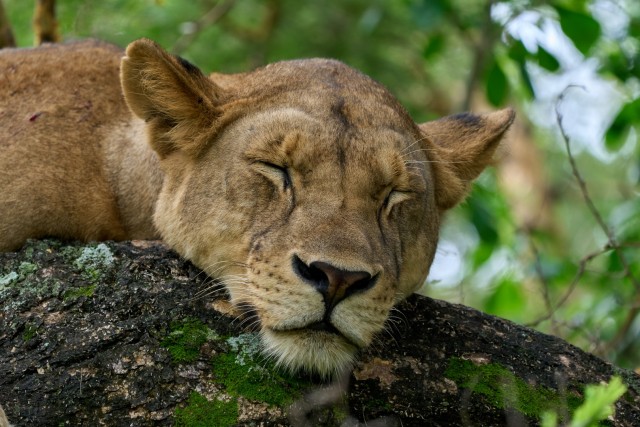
(251, 318)
(323, 326)
(320, 326)
(322, 329)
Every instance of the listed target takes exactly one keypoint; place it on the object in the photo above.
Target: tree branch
(481, 49)
(110, 334)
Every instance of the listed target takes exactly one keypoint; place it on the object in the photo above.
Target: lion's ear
(179, 103)
(460, 147)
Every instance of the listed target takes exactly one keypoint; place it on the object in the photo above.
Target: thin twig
(489, 36)
(612, 243)
(576, 278)
(576, 172)
(261, 32)
(258, 37)
(545, 287)
(207, 20)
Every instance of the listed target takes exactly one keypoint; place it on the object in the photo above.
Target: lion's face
(305, 188)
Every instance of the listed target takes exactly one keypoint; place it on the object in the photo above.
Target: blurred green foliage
(598, 405)
(443, 56)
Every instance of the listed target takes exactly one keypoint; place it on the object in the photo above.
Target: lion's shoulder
(62, 74)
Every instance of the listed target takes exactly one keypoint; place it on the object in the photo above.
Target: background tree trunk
(45, 24)
(6, 33)
(114, 334)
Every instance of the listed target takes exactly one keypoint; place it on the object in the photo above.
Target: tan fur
(4, 422)
(365, 192)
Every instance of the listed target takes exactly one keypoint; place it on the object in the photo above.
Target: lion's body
(304, 186)
(63, 151)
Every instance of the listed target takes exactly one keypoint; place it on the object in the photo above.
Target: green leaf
(598, 403)
(428, 14)
(434, 46)
(497, 86)
(626, 118)
(549, 419)
(526, 81)
(582, 29)
(518, 52)
(481, 255)
(546, 60)
(634, 25)
(619, 65)
(484, 220)
(507, 300)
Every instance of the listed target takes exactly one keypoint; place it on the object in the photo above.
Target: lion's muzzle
(335, 284)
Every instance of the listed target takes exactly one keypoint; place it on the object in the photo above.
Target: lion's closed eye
(278, 175)
(394, 198)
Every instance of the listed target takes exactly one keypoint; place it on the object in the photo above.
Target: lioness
(304, 186)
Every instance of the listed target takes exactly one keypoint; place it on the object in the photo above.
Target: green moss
(376, 404)
(27, 268)
(85, 291)
(30, 331)
(245, 373)
(186, 338)
(201, 412)
(340, 412)
(501, 388)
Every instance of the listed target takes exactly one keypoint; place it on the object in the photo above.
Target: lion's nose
(334, 283)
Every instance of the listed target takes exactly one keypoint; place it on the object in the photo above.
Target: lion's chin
(323, 353)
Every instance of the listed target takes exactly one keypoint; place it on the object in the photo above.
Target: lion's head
(306, 188)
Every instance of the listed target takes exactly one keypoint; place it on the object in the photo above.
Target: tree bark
(129, 334)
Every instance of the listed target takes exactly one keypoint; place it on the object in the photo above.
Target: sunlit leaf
(482, 254)
(625, 220)
(582, 29)
(549, 419)
(507, 299)
(598, 403)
